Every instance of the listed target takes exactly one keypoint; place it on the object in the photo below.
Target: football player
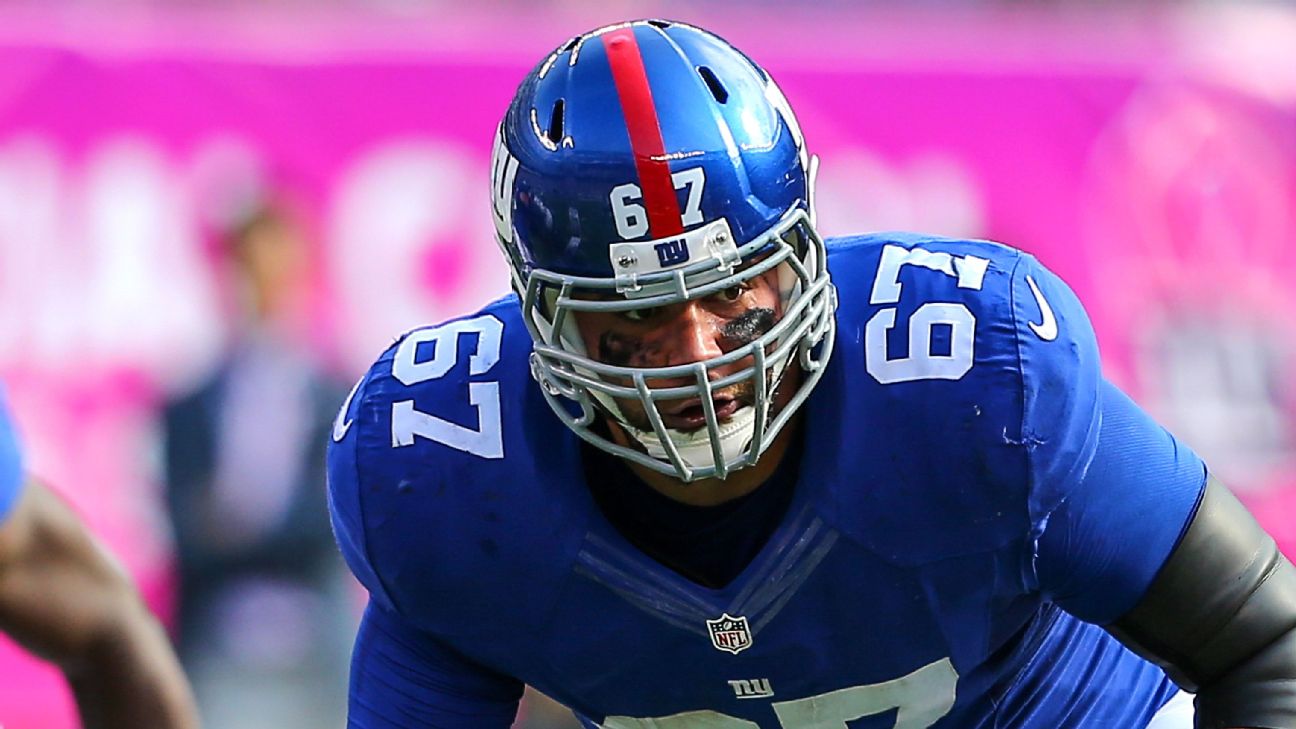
(763, 480)
(66, 600)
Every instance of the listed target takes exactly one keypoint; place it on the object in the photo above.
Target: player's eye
(733, 293)
(644, 314)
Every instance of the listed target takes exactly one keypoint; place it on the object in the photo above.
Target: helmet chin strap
(695, 448)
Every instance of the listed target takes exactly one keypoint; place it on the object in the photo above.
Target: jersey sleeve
(346, 512)
(1104, 544)
(401, 675)
(1110, 491)
(11, 464)
(1061, 377)
(402, 678)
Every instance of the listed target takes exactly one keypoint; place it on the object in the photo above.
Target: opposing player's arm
(64, 599)
(401, 676)
(1134, 536)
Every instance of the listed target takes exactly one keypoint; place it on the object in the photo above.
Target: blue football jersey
(11, 465)
(974, 501)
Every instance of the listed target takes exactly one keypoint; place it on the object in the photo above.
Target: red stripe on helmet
(645, 132)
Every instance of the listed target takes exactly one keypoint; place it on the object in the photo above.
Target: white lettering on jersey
(921, 698)
(921, 363)
(755, 688)
(486, 439)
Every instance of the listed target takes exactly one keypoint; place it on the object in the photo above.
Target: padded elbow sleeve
(1220, 618)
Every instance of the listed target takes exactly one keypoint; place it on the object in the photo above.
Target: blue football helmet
(644, 164)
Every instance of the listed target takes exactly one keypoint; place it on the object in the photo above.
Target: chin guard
(1220, 618)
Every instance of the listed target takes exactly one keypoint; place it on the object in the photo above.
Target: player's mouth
(689, 415)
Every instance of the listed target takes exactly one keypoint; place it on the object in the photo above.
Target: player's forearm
(1221, 618)
(129, 677)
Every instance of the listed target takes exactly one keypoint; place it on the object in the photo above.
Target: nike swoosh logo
(1048, 328)
(340, 424)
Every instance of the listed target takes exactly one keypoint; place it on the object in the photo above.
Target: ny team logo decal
(729, 633)
(672, 252)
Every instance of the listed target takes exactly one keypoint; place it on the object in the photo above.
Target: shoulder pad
(434, 467)
(972, 404)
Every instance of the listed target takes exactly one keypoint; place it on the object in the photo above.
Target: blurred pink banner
(1155, 176)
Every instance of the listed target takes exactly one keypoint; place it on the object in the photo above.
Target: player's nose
(695, 336)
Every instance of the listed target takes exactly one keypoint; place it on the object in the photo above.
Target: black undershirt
(709, 545)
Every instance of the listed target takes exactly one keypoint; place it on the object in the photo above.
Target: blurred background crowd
(214, 215)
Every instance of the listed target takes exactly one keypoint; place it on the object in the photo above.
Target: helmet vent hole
(570, 44)
(717, 89)
(663, 24)
(555, 132)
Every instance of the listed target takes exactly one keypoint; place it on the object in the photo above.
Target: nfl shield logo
(729, 633)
